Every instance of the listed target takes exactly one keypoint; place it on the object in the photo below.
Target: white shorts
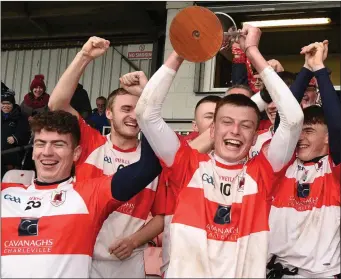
(130, 268)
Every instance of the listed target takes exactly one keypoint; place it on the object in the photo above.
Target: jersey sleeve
(90, 140)
(159, 204)
(262, 168)
(99, 195)
(185, 163)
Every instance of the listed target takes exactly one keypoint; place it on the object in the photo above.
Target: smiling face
(313, 142)
(38, 91)
(234, 131)
(54, 154)
(122, 116)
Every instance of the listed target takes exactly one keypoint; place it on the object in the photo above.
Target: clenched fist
(134, 82)
(95, 47)
(250, 37)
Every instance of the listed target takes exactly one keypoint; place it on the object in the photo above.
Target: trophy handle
(231, 35)
(229, 17)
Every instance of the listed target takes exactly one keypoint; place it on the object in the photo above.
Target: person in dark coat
(37, 99)
(80, 102)
(15, 131)
(98, 117)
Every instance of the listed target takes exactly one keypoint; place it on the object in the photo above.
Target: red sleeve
(267, 175)
(186, 162)
(159, 204)
(90, 140)
(98, 194)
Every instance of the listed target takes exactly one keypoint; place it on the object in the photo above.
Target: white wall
(181, 100)
(18, 68)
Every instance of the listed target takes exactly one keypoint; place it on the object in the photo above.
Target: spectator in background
(98, 117)
(14, 130)
(80, 102)
(310, 94)
(37, 99)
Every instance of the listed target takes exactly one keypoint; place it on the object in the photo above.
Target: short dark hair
(101, 98)
(208, 99)
(112, 96)
(314, 115)
(240, 86)
(287, 77)
(58, 121)
(238, 100)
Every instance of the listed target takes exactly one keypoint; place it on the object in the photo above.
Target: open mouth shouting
(233, 144)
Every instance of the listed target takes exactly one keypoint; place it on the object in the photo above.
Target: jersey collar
(45, 186)
(221, 163)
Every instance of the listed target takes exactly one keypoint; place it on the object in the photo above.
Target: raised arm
(129, 181)
(316, 53)
(284, 141)
(303, 78)
(62, 94)
(161, 137)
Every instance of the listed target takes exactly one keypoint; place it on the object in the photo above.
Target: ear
(77, 153)
(194, 126)
(108, 114)
(212, 130)
(326, 139)
(254, 138)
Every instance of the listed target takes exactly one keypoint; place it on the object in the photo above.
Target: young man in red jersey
(49, 228)
(305, 212)
(120, 244)
(220, 225)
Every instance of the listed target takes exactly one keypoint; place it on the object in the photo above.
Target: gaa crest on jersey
(58, 198)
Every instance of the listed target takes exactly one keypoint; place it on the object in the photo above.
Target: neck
(43, 182)
(316, 159)
(121, 142)
(223, 161)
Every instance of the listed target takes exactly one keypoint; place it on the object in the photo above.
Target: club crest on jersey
(318, 165)
(241, 183)
(58, 198)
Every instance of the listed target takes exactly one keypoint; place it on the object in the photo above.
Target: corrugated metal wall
(18, 68)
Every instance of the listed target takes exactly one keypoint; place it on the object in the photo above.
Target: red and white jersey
(220, 226)
(305, 219)
(99, 157)
(172, 193)
(263, 136)
(50, 231)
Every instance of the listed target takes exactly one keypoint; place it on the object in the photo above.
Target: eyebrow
(308, 129)
(126, 107)
(52, 141)
(243, 121)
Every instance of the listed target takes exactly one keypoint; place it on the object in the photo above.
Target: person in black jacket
(15, 130)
